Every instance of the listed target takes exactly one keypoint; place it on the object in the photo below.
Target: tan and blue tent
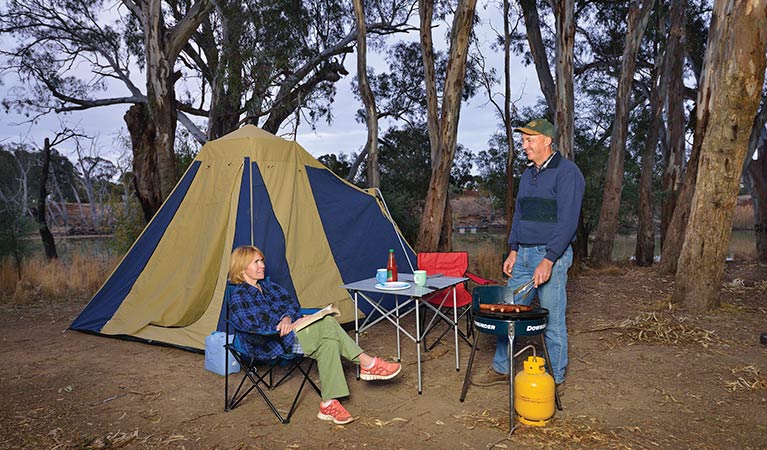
(248, 187)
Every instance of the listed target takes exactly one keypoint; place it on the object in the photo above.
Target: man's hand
(542, 272)
(508, 265)
(284, 326)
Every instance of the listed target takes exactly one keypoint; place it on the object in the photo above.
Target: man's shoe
(561, 389)
(381, 370)
(335, 412)
(489, 378)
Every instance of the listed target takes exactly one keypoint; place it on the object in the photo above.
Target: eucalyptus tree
(371, 115)
(435, 232)
(405, 169)
(41, 216)
(728, 98)
(264, 62)
(755, 175)
(637, 19)
(666, 50)
(56, 37)
(674, 144)
(248, 62)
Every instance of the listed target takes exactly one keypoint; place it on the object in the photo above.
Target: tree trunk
(509, 210)
(145, 178)
(538, 51)
(672, 243)
(604, 238)
(45, 234)
(446, 234)
(227, 84)
(645, 246)
(729, 94)
(371, 114)
(434, 208)
(673, 158)
(161, 49)
(565, 97)
(426, 10)
(161, 96)
(757, 171)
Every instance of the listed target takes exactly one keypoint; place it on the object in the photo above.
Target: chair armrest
(479, 280)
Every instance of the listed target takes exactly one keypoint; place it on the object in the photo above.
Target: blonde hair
(241, 258)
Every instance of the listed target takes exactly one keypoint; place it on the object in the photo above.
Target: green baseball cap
(537, 126)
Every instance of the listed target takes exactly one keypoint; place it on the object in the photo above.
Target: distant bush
(129, 223)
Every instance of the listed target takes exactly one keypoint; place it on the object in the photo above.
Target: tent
(249, 187)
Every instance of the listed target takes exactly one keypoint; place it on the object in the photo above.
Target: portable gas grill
(511, 325)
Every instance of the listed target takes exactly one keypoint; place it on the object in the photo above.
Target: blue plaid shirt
(255, 313)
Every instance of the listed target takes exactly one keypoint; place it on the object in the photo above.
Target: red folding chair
(449, 264)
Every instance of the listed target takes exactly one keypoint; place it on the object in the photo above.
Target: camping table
(367, 291)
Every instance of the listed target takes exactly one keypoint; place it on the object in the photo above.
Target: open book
(305, 321)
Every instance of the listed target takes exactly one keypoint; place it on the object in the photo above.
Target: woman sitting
(260, 306)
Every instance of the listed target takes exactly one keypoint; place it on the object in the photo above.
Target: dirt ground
(641, 376)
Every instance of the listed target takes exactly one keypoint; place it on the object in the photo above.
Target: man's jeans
(552, 296)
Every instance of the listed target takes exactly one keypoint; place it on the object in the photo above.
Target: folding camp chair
(450, 264)
(264, 381)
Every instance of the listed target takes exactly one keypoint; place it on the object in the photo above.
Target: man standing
(545, 221)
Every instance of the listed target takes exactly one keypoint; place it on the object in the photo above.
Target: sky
(478, 121)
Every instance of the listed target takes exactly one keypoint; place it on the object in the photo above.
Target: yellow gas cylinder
(534, 393)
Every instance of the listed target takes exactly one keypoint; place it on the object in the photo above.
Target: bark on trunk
(538, 52)
(673, 158)
(729, 93)
(434, 208)
(565, 96)
(45, 233)
(604, 238)
(145, 177)
(371, 114)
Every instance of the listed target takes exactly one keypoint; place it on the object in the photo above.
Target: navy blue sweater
(548, 205)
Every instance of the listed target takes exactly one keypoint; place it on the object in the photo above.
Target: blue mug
(382, 275)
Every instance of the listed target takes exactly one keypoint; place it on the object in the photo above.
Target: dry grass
(80, 276)
(660, 328)
(743, 218)
(748, 378)
(489, 261)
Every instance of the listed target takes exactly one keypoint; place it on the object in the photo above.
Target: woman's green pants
(326, 342)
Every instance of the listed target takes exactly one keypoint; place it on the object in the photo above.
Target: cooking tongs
(525, 290)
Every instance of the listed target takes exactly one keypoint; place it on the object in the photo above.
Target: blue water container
(215, 358)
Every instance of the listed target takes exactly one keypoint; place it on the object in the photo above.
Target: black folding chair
(267, 379)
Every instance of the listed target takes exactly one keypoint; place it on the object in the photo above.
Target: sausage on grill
(504, 308)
